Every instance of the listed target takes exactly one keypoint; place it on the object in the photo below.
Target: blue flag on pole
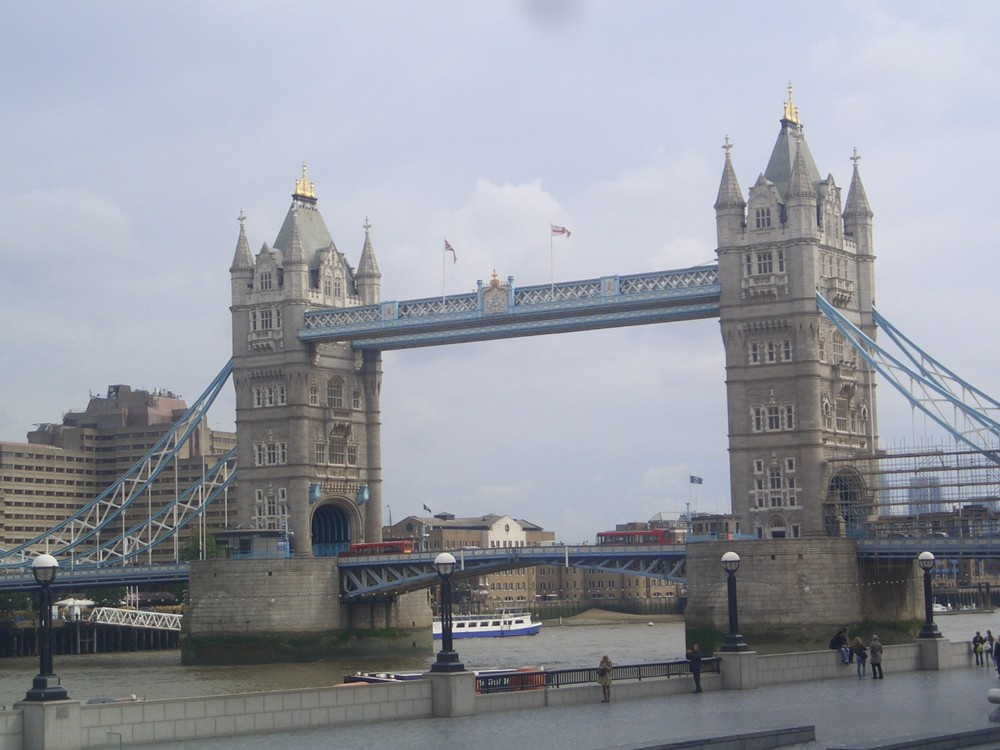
(695, 480)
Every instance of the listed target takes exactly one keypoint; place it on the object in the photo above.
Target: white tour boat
(496, 625)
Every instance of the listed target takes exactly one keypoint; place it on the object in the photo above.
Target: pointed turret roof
(730, 195)
(367, 265)
(857, 200)
(295, 253)
(306, 219)
(243, 258)
(790, 142)
(800, 184)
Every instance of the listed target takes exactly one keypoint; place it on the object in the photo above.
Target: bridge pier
(798, 590)
(289, 609)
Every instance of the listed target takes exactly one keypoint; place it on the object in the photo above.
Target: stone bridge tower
(307, 415)
(801, 403)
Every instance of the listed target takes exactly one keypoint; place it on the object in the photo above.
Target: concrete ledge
(970, 738)
(762, 740)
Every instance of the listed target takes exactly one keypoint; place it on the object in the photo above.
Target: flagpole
(444, 254)
(552, 272)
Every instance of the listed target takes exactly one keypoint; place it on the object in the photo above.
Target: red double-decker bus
(636, 536)
(397, 547)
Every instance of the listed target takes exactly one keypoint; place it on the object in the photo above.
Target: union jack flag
(556, 230)
(449, 249)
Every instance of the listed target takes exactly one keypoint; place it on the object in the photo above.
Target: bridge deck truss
(133, 618)
(375, 576)
(505, 311)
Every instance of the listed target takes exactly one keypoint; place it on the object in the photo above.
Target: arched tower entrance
(331, 531)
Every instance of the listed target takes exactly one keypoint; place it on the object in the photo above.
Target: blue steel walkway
(843, 710)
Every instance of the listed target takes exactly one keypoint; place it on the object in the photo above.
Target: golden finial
(304, 188)
(495, 281)
(791, 111)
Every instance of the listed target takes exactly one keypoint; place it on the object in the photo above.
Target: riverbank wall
(94, 726)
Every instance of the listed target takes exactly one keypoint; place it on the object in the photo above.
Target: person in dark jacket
(875, 649)
(694, 659)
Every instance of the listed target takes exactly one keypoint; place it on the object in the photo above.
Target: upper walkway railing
(501, 310)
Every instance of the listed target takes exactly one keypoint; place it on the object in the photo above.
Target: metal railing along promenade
(514, 680)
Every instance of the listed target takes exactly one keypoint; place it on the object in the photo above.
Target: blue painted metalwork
(381, 575)
(104, 511)
(933, 382)
(499, 310)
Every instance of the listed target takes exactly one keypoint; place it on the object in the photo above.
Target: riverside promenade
(847, 712)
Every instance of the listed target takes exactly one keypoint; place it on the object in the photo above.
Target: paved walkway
(844, 711)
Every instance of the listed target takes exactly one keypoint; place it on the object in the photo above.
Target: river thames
(843, 710)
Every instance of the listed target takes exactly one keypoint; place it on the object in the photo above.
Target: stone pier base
(50, 725)
(739, 670)
(454, 693)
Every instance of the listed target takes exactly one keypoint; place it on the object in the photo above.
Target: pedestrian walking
(694, 664)
(861, 656)
(988, 647)
(875, 649)
(604, 678)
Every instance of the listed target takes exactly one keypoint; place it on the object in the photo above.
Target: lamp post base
(734, 643)
(46, 687)
(447, 661)
(930, 630)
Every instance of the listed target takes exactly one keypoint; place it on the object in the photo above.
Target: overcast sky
(134, 133)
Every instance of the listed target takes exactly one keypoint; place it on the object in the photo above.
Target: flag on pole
(428, 510)
(449, 249)
(556, 230)
(695, 480)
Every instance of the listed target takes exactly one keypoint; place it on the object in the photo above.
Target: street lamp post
(930, 629)
(733, 641)
(46, 686)
(447, 659)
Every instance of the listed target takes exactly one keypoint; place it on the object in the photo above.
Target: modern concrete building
(64, 466)
(797, 394)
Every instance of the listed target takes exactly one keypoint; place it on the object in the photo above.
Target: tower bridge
(793, 289)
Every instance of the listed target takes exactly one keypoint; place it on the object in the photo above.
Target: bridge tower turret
(801, 406)
(307, 415)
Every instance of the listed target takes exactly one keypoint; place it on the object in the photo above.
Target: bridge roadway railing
(98, 575)
(943, 547)
(379, 575)
(504, 311)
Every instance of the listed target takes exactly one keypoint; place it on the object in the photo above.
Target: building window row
(338, 451)
(774, 484)
(764, 262)
(271, 453)
(268, 319)
(269, 395)
(845, 416)
(772, 418)
(770, 352)
(271, 508)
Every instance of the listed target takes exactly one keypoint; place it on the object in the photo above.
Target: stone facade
(785, 587)
(798, 396)
(288, 609)
(307, 415)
